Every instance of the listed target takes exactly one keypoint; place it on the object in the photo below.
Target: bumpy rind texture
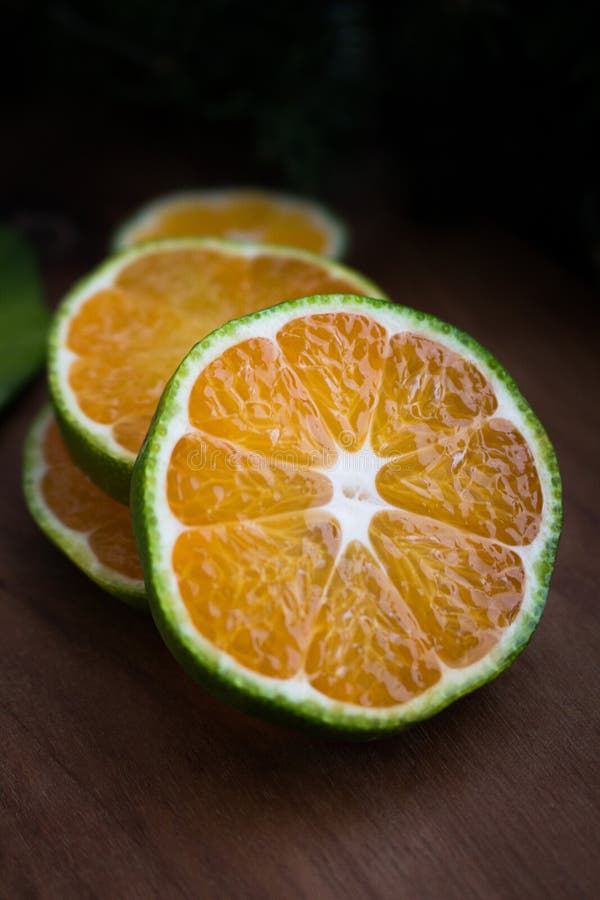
(256, 695)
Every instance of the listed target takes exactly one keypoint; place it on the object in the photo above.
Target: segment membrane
(80, 505)
(252, 588)
(339, 357)
(462, 590)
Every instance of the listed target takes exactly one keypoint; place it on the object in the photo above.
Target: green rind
(111, 468)
(70, 544)
(265, 697)
(338, 229)
(111, 474)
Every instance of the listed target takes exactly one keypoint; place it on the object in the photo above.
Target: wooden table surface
(120, 778)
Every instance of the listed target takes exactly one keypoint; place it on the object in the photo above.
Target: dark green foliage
(23, 317)
(485, 107)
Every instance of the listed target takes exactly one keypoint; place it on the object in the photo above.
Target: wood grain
(120, 778)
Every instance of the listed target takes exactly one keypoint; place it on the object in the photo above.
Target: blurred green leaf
(23, 317)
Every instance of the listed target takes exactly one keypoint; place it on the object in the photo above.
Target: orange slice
(119, 336)
(347, 514)
(240, 215)
(91, 528)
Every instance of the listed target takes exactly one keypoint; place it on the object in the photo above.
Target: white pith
(73, 542)
(150, 214)
(62, 357)
(347, 510)
(355, 498)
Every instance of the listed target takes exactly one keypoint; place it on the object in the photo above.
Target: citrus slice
(91, 528)
(118, 337)
(240, 215)
(347, 514)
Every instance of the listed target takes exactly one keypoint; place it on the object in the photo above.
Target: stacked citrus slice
(115, 342)
(347, 513)
(91, 528)
(118, 337)
(237, 214)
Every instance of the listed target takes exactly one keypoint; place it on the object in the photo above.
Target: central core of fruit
(355, 498)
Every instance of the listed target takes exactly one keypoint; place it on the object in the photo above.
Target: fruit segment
(250, 396)
(426, 388)
(130, 337)
(462, 590)
(482, 480)
(339, 358)
(120, 391)
(78, 504)
(211, 480)
(252, 588)
(367, 647)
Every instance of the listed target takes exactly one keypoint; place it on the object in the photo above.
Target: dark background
(443, 112)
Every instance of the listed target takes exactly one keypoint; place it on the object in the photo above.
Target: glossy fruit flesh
(127, 339)
(240, 216)
(81, 506)
(352, 508)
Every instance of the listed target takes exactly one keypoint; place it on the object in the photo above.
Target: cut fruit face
(119, 336)
(91, 528)
(238, 215)
(347, 514)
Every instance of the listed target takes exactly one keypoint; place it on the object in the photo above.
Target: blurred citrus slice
(91, 528)
(118, 337)
(347, 514)
(240, 215)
